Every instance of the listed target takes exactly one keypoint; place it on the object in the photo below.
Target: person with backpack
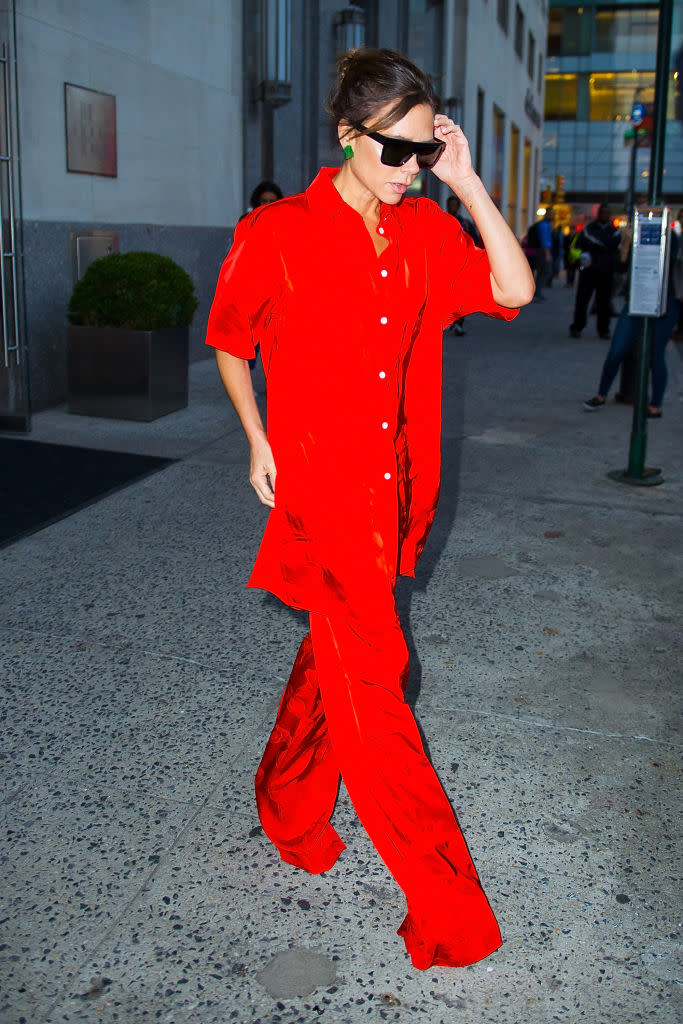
(568, 255)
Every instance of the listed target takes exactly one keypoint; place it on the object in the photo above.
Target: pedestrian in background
(568, 256)
(265, 192)
(677, 227)
(556, 254)
(453, 206)
(626, 333)
(598, 242)
(538, 247)
(349, 286)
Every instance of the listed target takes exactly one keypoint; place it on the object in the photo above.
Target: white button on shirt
(384, 273)
(385, 425)
(387, 476)
(382, 374)
(381, 231)
(383, 320)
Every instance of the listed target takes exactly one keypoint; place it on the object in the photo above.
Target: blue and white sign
(637, 113)
(650, 261)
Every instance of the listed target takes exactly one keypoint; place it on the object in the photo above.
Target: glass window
(526, 175)
(626, 29)
(583, 99)
(425, 35)
(504, 14)
(561, 93)
(513, 177)
(497, 156)
(569, 31)
(534, 185)
(531, 55)
(555, 31)
(612, 94)
(519, 32)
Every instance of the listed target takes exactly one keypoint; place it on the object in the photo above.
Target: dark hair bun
(370, 80)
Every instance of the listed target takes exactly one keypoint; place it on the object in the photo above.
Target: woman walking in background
(265, 192)
(629, 327)
(348, 287)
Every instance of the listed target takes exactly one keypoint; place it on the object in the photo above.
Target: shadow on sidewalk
(452, 436)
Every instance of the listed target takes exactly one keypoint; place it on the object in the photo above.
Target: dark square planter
(123, 374)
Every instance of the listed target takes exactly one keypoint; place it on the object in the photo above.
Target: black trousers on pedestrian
(593, 281)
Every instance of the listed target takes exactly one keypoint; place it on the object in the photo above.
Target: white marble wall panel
(125, 26)
(197, 40)
(168, 64)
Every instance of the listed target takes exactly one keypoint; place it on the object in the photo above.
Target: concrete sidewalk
(140, 682)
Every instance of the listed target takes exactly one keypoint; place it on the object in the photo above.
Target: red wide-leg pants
(343, 711)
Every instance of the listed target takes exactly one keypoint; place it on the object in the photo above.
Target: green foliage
(137, 290)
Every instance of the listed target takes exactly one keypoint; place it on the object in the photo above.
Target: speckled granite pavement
(139, 682)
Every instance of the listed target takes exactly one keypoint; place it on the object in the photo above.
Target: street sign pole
(661, 88)
(636, 457)
(632, 175)
(638, 473)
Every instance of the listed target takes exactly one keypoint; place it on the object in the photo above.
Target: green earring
(348, 152)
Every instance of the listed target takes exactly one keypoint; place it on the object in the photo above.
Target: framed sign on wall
(90, 131)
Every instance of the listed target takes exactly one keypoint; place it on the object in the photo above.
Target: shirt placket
(387, 355)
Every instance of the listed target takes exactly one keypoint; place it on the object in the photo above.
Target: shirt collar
(323, 198)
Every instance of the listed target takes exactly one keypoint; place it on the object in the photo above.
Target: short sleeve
(460, 273)
(246, 285)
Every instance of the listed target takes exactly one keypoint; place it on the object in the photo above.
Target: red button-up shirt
(351, 348)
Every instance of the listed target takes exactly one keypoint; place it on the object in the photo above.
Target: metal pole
(4, 156)
(637, 472)
(630, 196)
(661, 89)
(638, 447)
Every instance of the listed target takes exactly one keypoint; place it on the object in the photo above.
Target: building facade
(171, 77)
(146, 125)
(486, 58)
(499, 69)
(602, 60)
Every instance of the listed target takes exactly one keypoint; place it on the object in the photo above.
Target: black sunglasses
(396, 152)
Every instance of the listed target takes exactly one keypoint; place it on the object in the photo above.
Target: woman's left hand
(455, 163)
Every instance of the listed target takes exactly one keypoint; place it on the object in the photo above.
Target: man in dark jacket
(598, 242)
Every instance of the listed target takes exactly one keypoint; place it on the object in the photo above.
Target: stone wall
(176, 72)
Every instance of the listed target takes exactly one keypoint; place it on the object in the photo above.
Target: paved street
(140, 681)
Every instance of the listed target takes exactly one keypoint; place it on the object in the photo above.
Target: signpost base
(650, 477)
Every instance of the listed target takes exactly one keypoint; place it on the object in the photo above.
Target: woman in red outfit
(348, 287)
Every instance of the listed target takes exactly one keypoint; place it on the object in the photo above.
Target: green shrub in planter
(128, 339)
(136, 290)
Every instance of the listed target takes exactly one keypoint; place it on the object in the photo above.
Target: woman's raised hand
(512, 283)
(262, 472)
(454, 166)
